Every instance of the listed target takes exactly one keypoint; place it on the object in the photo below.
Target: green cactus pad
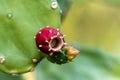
(58, 57)
(20, 20)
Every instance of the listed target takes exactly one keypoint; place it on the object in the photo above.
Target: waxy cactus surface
(20, 20)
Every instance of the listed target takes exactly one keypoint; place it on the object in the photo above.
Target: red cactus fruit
(49, 40)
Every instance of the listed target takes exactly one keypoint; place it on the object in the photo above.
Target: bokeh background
(94, 23)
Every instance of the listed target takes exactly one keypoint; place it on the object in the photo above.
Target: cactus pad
(19, 22)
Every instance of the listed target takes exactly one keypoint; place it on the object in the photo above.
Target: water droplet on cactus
(10, 15)
(54, 5)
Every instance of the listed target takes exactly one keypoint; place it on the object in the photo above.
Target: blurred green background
(95, 23)
(93, 27)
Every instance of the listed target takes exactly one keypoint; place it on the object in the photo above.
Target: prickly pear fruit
(58, 57)
(20, 20)
(49, 40)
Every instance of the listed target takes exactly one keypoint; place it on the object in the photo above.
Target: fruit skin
(20, 20)
(58, 57)
(49, 40)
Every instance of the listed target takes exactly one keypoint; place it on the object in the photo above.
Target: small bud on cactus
(49, 40)
(71, 52)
